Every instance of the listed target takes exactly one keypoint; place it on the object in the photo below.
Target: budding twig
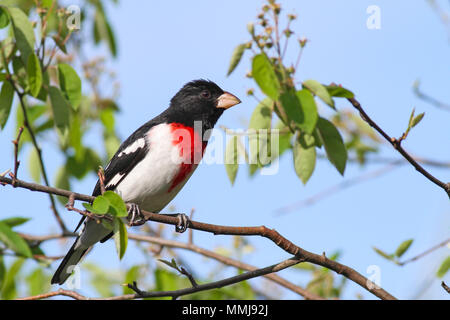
(396, 143)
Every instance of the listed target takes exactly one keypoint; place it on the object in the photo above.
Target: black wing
(122, 162)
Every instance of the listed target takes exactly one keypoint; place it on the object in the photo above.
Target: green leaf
(76, 135)
(261, 119)
(112, 143)
(2, 273)
(171, 264)
(334, 145)
(100, 205)
(291, 105)
(4, 18)
(34, 166)
(59, 43)
(417, 119)
(70, 84)
(37, 282)
(304, 151)
(103, 31)
(252, 168)
(309, 109)
(305, 266)
(107, 118)
(262, 115)
(340, 92)
(14, 221)
(132, 275)
(231, 159)
(9, 47)
(42, 95)
(82, 164)
(13, 241)
(236, 57)
(285, 138)
(23, 32)
(120, 237)
(403, 247)
(445, 266)
(384, 254)
(165, 280)
(88, 207)
(119, 208)
(413, 121)
(320, 91)
(265, 76)
(20, 72)
(60, 108)
(6, 99)
(8, 289)
(34, 73)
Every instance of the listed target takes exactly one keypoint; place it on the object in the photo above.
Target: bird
(154, 163)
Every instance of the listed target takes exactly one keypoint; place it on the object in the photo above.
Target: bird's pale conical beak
(227, 100)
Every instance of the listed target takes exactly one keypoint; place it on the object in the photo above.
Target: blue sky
(164, 44)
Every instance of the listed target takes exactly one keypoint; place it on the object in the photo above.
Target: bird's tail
(75, 254)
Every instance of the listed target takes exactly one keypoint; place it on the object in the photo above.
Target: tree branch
(263, 231)
(60, 292)
(396, 143)
(196, 249)
(208, 286)
(439, 245)
(446, 288)
(225, 260)
(175, 293)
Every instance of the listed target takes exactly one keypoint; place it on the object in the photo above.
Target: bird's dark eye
(206, 94)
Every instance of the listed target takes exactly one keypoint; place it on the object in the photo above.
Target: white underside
(148, 184)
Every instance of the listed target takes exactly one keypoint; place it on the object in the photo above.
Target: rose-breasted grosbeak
(155, 162)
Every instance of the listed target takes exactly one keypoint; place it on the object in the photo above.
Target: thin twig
(16, 151)
(101, 179)
(439, 245)
(39, 153)
(208, 286)
(189, 276)
(176, 293)
(60, 292)
(446, 288)
(191, 232)
(225, 260)
(431, 100)
(397, 146)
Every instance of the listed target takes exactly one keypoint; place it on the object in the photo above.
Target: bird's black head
(200, 100)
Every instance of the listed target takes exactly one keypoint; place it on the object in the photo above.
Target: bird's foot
(183, 222)
(135, 217)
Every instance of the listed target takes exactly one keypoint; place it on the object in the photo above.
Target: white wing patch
(140, 143)
(115, 180)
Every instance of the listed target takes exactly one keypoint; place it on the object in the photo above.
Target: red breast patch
(191, 149)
